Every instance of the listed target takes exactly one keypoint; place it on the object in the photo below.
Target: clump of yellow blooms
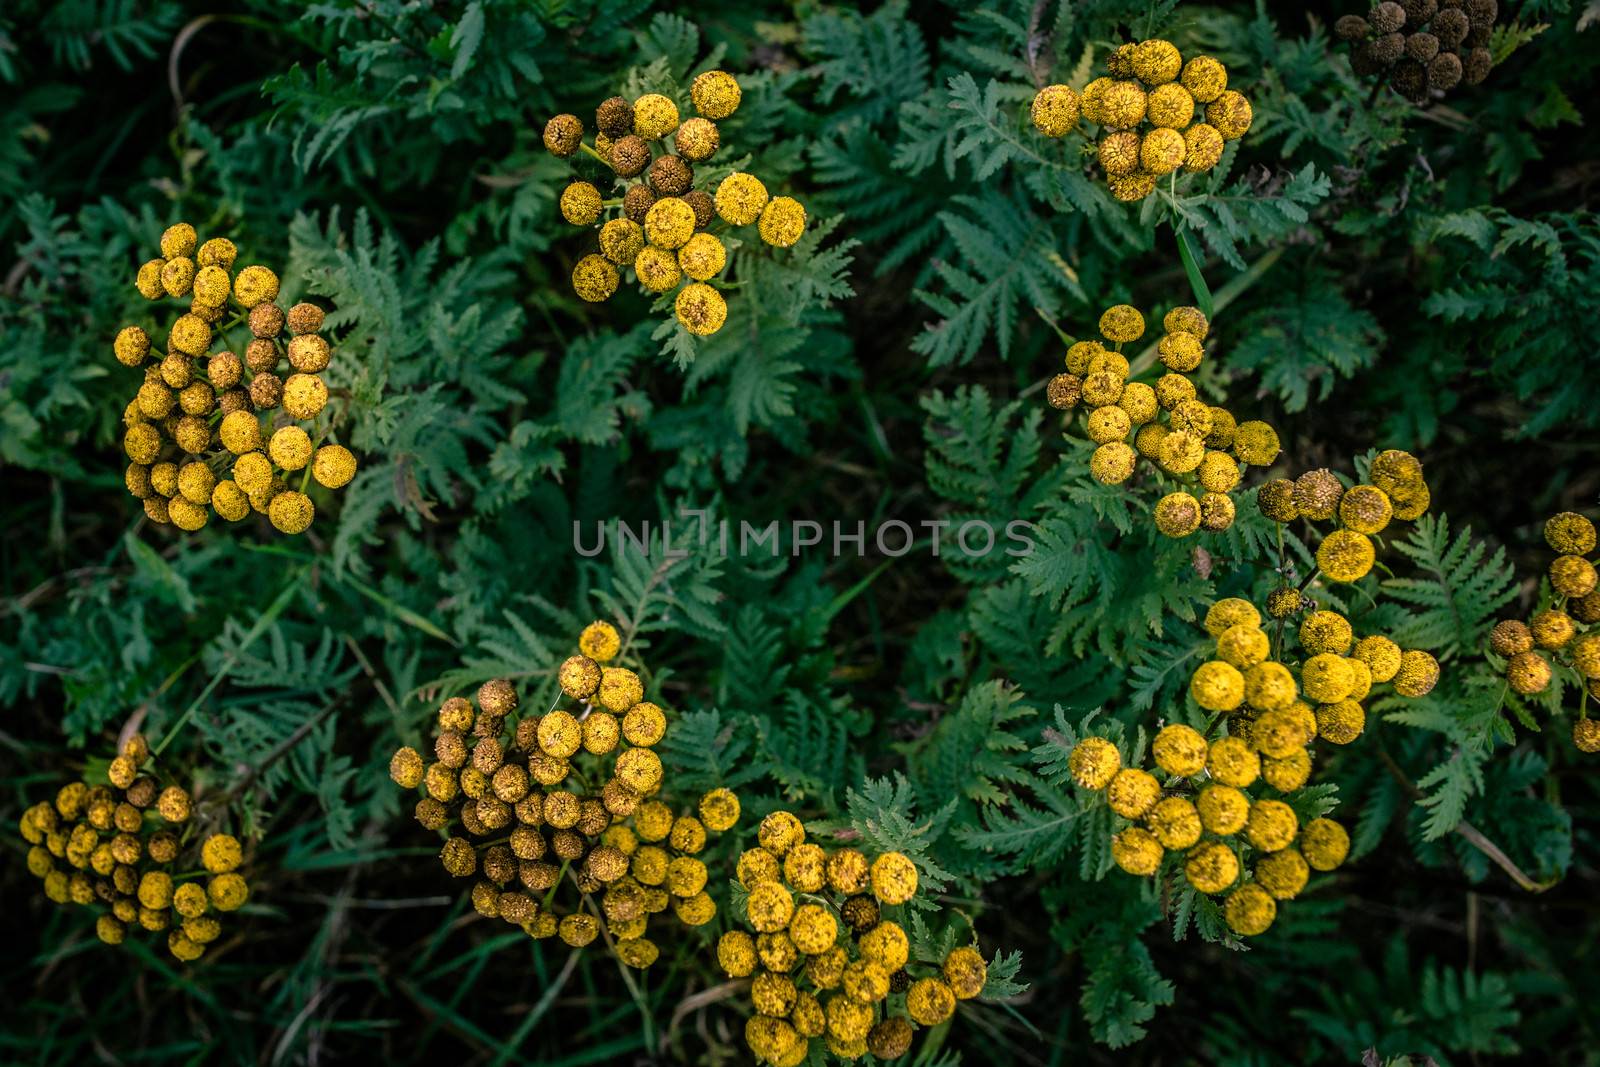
(826, 949)
(660, 224)
(218, 424)
(1565, 634)
(1395, 489)
(1201, 448)
(127, 849)
(1224, 805)
(1220, 809)
(1156, 115)
(575, 798)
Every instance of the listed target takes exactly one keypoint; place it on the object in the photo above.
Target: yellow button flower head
(1229, 612)
(333, 466)
(1121, 105)
(657, 269)
(1326, 678)
(1211, 867)
(132, 346)
(149, 282)
(1249, 910)
(1162, 151)
(1269, 686)
(1133, 792)
(255, 285)
(1177, 514)
(1217, 686)
(1366, 509)
(594, 279)
(1572, 576)
(1205, 78)
(177, 276)
(1223, 809)
(304, 395)
(1283, 874)
(1122, 323)
(1243, 646)
(654, 116)
(1202, 147)
(1137, 851)
(621, 240)
(700, 309)
(178, 240)
(1586, 735)
(644, 724)
(1570, 534)
(221, 853)
(1231, 762)
(894, 878)
(1328, 631)
(228, 892)
(669, 223)
(1345, 556)
(290, 448)
(1112, 463)
(930, 1001)
(1094, 761)
(736, 952)
(1325, 844)
(1170, 106)
(715, 94)
(769, 907)
(1230, 113)
(702, 257)
(1179, 750)
(1340, 723)
(1175, 823)
(1418, 673)
(1256, 444)
(229, 501)
(783, 222)
(740, 198)
(1156, 62)
(1054, 110)
(291, 512)
(1271, 825)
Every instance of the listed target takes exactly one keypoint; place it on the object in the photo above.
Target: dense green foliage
(1384, 277)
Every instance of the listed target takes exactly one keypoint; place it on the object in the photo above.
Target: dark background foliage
(1390, 278)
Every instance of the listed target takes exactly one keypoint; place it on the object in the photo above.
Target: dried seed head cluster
(1565, 635)
(129, 851)
(661, 223)
(1156, 114)
(826, 955)
(1203, 447)
(506, 788)
(212, 429)
(1395, 490)
(1422, 48)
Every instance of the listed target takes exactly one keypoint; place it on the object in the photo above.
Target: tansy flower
(1249, 910)
(1211, 867)
(1340, 723)
(715, 94)
(1345, 556)
(1132, 792)
(1271, 825)
(1137, 851)
(1175, 823)
(1093, 763)
(1569, 533)
(1418, 673)
(1223, 809)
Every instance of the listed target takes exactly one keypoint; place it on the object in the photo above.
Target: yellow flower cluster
(1396, 490)
(823, 956)
(1567, 633)
(661, 223)
(212, 429)
(1217, 826)
(1147, 112)
(125, 850)
(1200, 445)
(1272, 701)
(509, 791)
